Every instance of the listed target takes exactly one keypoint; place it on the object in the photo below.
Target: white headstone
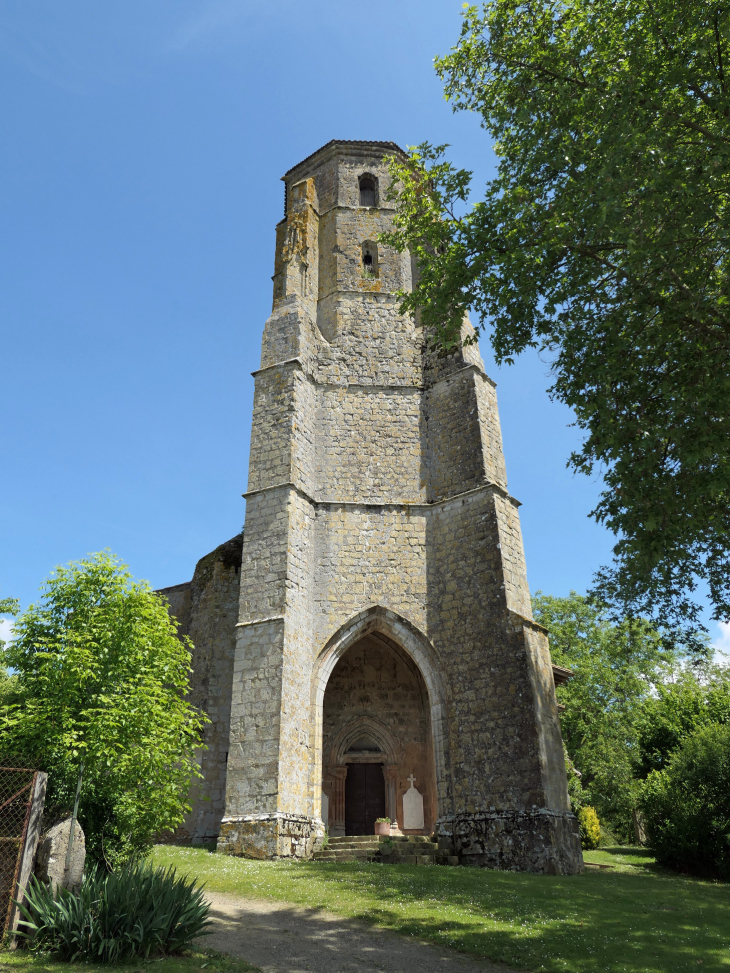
(325, 809)
(412, 808)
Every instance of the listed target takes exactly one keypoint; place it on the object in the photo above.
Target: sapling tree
(101, 680)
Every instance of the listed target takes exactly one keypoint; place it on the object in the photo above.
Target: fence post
(29, 845)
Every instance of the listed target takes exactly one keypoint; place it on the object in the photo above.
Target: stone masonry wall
(207, 609)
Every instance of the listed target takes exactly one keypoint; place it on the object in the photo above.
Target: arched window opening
(367, 191)
(369, 259)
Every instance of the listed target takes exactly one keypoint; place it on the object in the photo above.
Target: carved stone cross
(412, 780)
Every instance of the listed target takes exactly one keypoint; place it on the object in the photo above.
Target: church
(365, 648)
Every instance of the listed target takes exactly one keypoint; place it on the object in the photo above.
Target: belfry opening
(377, 752)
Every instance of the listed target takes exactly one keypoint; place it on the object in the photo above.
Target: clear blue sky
(139, 191)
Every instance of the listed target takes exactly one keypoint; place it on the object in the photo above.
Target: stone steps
(396, 850)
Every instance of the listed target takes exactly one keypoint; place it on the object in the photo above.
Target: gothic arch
(421, 652)
(364, 726)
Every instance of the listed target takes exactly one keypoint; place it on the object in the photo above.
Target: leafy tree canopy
(679, 707)
(101, 677)
(602, 242)
(8, 606)
(615, 666)
(687, 805)
(616, 669)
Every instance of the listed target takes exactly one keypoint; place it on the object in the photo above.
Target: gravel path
(282, 938)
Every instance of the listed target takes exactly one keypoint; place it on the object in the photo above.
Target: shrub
(590, 828)
(101, 678)
(135, 912)
(687, 806)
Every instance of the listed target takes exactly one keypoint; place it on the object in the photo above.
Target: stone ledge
(384, 504)
(256, 621)
(471, 367)
(278, 364)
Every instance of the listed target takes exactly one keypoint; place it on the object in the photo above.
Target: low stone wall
(538, 841)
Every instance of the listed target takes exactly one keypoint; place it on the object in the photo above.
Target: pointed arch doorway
(376, 734)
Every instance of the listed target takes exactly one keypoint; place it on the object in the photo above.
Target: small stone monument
(50, 867)
(412, 808)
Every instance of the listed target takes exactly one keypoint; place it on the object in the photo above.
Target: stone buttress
(377, 501)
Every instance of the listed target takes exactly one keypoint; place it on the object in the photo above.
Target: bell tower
(377, 509)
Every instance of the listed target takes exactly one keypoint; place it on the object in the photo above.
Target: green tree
(687, 805)
(690, 699)
(8, 606)
(101, 678)
(616, 669)
(603, 242)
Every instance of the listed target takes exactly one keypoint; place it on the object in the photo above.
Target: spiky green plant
(135, 912)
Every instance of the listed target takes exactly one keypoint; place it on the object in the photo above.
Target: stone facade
(384, 611)
(207, 610)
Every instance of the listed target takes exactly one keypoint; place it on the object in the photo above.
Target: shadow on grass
(282, 937)
(599, 921)
(638, 919)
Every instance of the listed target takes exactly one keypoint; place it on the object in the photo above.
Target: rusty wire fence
(17, 786)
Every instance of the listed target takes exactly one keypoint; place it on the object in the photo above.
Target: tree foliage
(602, 241)
(101, 677)
(687, 805)
(632, 706)
(680, 706)
(616, 669)
(8, 606)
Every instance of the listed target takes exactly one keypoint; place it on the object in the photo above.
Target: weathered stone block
(50, 864)
(271, 836)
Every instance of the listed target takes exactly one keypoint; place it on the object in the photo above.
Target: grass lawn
(631, 918)
(22, 961)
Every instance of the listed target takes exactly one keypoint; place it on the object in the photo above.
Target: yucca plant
(135, 912)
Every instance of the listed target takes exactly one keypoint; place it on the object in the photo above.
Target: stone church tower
(385, 658)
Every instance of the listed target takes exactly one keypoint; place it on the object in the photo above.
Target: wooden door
(364, 798)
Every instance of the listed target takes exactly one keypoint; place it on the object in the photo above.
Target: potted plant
(382, 826)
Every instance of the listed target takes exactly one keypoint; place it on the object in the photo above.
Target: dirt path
(283, 938)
